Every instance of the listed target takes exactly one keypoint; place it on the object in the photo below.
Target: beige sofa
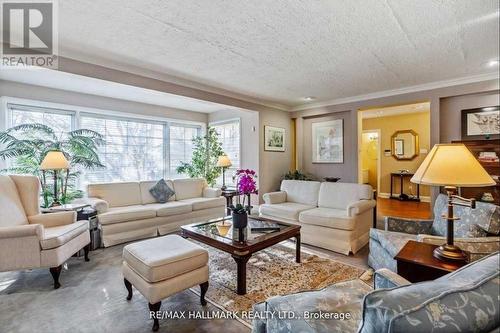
(334, 216)
(127, 211)
(29, 239)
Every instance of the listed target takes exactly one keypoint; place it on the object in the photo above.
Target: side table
(416, 263)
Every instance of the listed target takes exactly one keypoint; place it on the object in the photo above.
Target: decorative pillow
(161, 191)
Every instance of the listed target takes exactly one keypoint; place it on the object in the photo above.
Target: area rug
(271, 272)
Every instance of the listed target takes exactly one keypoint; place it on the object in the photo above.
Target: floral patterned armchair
(463, 301)
(477, 232)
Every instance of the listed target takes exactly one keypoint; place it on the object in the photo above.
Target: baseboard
(423, 198)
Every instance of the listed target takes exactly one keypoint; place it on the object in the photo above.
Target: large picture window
(134, 149)
(229, 134)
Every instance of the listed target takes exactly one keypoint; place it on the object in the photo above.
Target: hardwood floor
(406, 209)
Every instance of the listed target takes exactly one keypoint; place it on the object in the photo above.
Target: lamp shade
(54, 160)
(452, 165)
(224, 161)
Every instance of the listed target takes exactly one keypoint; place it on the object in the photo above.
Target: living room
(200, 167)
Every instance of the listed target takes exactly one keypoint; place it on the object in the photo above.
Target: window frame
(230, 121)
(76, 112)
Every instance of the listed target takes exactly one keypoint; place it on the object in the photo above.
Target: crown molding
(401, 91)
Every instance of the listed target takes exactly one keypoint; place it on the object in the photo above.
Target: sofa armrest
(210, 192)
(408, 226)
(19, 231)
(385, 278)
(360, 207)
(477, 247)
(100, 205)
(53, 219)
(274, 197)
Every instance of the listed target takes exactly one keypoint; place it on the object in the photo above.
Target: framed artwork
(482, 123)
(274, 138)
(328, 141)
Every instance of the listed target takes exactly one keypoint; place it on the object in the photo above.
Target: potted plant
(246, 185)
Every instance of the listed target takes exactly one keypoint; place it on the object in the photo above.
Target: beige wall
(273, 165)
(420, 123)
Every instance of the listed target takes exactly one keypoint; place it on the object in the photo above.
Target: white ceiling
(396, 110)
(280, 51)
(86, 85)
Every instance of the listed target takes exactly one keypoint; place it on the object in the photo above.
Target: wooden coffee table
(241, 252)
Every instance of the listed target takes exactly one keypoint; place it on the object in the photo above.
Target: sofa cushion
(11, 208)
(463, 301)
(189, 188)
(127, 213)
(328, 217)
(286, 210)
(205, 203)
(172, 208)
(60, 235)
(391, 241)
(301, 191)
(146, 197)
(340, 195)
(116, 194)
(164, 257)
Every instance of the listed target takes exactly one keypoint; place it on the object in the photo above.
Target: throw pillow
(161, 191)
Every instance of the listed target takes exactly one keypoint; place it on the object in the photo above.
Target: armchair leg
(86, 250)
(55, 272)
(128, 285)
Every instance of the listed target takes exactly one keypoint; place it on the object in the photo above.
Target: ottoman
(163, 266)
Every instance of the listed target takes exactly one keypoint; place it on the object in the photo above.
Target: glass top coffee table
(208, 233)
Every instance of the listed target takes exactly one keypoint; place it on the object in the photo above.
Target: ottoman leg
(55, 272)
(204, 288)
(154, 308)
(128, 285)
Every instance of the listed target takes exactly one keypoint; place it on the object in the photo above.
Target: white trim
(401, 91)
(423, 198)
(4, 100)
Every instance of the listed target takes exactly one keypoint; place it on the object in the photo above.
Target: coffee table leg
(297, 248)
(241, 268)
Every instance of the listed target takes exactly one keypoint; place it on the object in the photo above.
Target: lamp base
(448, 252)
(223, 187)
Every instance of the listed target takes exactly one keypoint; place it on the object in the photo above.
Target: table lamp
(224, 162)
(452, 165)
(55, 161)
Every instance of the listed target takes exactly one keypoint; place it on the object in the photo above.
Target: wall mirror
(404, 145)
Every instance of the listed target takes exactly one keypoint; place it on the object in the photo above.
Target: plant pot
(240, 220)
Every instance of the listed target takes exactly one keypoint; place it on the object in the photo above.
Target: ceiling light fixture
(309, 98)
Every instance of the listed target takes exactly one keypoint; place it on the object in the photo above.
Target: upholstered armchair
(29, 239)
(477, 232)
(463, 301)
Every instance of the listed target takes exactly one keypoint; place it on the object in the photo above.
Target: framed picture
(328, 141)
(482, 123)
(274, 138)
(399, 146)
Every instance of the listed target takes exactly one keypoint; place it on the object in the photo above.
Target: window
(60, 121)
(134, 149)
(229, 134)
(181, 145)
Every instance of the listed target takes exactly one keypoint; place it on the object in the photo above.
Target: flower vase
(240, 222)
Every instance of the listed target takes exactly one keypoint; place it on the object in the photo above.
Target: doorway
(370, 158)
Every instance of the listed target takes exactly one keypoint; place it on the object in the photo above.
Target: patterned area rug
(271, 272)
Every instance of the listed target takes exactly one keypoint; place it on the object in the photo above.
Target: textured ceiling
(280, 51)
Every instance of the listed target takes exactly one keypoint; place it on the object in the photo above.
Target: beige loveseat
(29, 239)
(334, 216)
(127, 211)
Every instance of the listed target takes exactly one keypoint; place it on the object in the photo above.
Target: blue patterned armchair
(477, 232)
(463, 301)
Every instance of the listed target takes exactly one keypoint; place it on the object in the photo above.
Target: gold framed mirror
(405, 145)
